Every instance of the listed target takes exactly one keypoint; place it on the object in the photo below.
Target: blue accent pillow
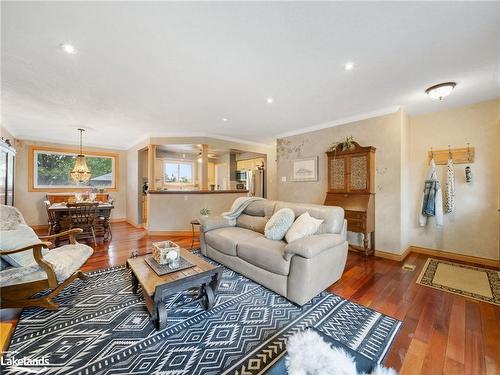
(279, 223)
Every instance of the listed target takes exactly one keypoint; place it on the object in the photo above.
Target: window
(50, 168)
(178, 172)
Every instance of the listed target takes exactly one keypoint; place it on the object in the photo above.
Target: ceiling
(178, 68)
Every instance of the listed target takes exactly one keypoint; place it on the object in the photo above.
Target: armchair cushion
(216, 222)
(10, 217)
(15, 239)
(66, 260)
(309, 247)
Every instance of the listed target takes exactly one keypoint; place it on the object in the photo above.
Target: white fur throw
(309, 354)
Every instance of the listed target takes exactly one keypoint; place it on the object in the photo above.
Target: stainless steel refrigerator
(256, 183)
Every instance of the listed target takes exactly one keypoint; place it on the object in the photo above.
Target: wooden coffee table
(203, 276)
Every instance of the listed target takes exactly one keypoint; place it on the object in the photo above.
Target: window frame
(32, 169)
(177, 161)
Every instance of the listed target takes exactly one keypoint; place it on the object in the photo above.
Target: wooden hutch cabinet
(351, 185)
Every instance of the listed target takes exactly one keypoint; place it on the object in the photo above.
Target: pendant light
(80, 172)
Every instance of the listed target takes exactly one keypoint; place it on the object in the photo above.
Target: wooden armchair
(54, 271)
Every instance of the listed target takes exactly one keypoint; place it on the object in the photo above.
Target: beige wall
(384, 133)
(402, 143)
(473, 228)
(31, 203)
(174, 212)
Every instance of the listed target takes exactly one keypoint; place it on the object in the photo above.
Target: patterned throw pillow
(304, 226)
(278, 224)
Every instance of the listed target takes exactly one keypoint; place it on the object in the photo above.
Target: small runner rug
(103, 328)
(477, 283)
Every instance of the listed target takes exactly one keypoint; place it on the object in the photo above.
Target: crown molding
(341, 121)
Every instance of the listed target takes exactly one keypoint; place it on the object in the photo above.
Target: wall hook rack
(458, 155)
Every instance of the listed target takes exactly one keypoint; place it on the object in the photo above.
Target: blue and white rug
(103, 328)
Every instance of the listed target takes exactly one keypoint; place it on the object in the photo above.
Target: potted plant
(205, 212)
(347, 144)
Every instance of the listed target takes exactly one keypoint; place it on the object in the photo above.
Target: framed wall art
(305, 169)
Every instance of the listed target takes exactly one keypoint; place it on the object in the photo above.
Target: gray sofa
(298, 270)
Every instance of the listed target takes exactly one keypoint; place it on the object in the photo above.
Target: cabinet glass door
(358, 180)
(338, 174)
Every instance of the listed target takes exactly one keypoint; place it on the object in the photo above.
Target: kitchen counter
(171, 211)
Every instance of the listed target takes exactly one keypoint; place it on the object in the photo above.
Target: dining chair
(103, 224)
(51, 216)
(83, 215)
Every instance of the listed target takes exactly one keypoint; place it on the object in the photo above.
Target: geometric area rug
(103, 328)
(473, 282)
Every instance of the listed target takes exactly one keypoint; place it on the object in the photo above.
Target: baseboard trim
(436, 253)
(454, 256)
(134, 224)
(392, 256)
(171, 232)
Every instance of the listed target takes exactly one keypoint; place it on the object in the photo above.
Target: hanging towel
(449, 202)
(432, 198)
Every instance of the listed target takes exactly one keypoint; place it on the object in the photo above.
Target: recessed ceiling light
(349, 66)
(225, 119)
(440, 90)
(269, 100)
(68, 48)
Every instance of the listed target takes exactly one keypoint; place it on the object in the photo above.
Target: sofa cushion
(266, 254)
(15, 239)
(255, 223)
(226, 239)
(260, 208)
(278, 224)
(333, 216)
(305, 225)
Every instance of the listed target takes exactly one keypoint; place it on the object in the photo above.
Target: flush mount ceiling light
(441, 90)
(68, 48)
(349, 66)
(225, 119)
(269, 100)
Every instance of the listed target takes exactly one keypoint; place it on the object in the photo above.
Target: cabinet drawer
(355, 215)
(355, 226)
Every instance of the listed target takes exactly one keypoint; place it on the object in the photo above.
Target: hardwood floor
(442, 333)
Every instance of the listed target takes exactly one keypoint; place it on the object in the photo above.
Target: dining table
(59, 212)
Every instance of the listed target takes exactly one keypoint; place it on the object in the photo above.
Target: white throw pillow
(304, 226)
(15, 239)
(278, 224)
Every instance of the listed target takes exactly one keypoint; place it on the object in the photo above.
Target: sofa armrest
(311, 246)
(211, 223)
(344, 230)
